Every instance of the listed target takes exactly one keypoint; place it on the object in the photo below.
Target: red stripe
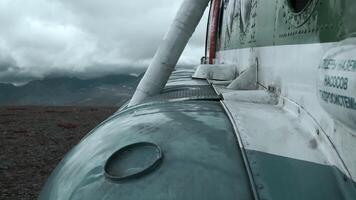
(213, 30)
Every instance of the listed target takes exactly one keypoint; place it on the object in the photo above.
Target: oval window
(298, 5)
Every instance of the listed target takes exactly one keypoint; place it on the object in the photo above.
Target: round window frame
(293, 9)
(298, 19)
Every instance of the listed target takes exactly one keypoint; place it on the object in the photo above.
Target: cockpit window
(298, 5)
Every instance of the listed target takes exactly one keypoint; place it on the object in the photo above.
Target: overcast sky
(48, 37)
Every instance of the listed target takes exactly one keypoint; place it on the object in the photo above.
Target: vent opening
(298, 5)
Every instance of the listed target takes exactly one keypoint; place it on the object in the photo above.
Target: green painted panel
(201, 158)
(273, 22)
(281, 178)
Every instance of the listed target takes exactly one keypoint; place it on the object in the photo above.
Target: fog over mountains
(82, 52)
(41, 37)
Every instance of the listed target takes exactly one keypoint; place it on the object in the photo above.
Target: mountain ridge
(109, 90)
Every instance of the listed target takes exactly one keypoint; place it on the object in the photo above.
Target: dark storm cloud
(7, 63)
(42, 37)
(11, 72)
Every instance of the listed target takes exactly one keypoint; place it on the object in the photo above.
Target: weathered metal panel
(257, 23)
(289, 156)
(295, 71)
(205, 92)
(281, 178)
(201, 159)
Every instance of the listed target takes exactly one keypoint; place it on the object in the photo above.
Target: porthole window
(298, 5)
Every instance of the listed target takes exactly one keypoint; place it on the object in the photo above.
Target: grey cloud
(11, 72)
(46, 37)
(7, 63)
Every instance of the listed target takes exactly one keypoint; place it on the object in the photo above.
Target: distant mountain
(71, 91)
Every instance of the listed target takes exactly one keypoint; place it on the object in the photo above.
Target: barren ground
(34, 139)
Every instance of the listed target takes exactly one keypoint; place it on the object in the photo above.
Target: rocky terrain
(34, 139)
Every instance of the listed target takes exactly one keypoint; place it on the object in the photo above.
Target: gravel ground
(34, 139)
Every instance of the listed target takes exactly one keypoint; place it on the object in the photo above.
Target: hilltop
(111, 90)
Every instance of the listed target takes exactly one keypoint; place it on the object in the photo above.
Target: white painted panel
(294, 69)
(270, 129)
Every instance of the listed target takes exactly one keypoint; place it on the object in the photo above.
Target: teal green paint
(273, 22)
(281, 178)
(201, 159)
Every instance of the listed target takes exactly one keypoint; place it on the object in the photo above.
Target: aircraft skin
(273, 117)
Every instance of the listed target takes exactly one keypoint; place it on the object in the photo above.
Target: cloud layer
(42, 37)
